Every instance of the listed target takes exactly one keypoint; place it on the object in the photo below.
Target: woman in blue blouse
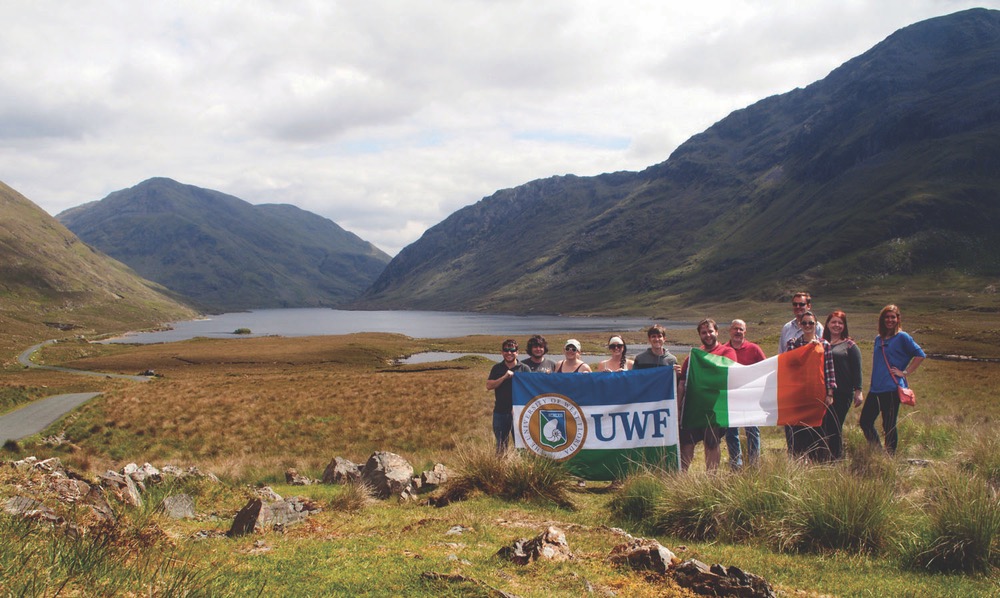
(904, 356)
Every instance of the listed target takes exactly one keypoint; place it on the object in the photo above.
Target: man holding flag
(695, 430)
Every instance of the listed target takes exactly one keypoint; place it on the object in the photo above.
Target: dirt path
(38, 415)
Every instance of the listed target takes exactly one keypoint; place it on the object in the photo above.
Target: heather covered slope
(885, 170)
(224, 253)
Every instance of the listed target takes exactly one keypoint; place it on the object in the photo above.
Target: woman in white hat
(572, 363)
(619, 361)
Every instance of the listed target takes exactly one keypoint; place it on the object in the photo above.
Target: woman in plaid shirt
(808, 442)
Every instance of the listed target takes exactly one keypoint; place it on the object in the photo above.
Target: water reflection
(432, 356)
(415, 324)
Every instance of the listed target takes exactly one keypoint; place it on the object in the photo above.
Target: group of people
(896, 356)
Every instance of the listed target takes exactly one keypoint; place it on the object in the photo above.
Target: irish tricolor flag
(788, 389)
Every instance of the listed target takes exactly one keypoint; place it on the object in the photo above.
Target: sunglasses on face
(615, 346)
(510, 350)
(798, 304)
(808, 324)
(571, 348)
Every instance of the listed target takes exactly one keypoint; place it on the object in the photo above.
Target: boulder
(68, 490)
(293, 478)
(341, 471)
(388, 474)
(246, 519)
(122, 486)
(178, 506)
(642, 554)
(717, 580)
(141, 475)
(261, 515)
(550, 545)
(435, 477)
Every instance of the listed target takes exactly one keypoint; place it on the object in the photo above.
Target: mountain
(50, 280)
(889, 167)
(224, 253)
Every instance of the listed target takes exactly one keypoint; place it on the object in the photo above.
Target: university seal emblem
(553, 426)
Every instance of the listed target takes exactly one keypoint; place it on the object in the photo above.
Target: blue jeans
(736, 452)
(503, 430)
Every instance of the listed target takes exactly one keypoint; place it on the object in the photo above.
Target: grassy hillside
(53, 285)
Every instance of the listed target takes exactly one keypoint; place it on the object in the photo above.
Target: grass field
(248, 409)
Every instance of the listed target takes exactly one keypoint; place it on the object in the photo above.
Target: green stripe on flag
(604, 465)
(706, 402)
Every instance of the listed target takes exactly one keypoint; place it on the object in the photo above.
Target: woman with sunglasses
(897, 356)
(619, 361)
(572, 363)
(808, 442)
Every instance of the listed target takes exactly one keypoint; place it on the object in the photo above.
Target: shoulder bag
(906, 395)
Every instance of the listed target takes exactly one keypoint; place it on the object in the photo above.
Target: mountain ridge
(224, 253)
(886, 167)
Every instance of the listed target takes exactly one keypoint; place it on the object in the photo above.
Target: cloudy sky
(387, 116)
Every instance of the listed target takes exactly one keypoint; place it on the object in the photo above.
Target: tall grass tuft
(635, 504)
(757, 497)
(355, 496)
(831, 509)
(982, 456)
(691, 505)
(962, 529)
(514, 476)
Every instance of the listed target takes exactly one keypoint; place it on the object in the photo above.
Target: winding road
(38, 415)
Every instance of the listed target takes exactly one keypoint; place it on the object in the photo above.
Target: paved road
(38, 415)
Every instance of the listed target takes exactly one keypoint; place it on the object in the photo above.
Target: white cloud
(388, 116)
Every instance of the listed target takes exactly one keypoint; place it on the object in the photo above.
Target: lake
(415, 324)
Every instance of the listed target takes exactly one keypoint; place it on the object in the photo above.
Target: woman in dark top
(847, 365)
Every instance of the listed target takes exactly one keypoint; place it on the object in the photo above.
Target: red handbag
(906, 395)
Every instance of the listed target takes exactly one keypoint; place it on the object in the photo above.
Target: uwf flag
(602, 425)
(788, 389)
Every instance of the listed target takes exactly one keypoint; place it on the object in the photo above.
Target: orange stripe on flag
(801, 387)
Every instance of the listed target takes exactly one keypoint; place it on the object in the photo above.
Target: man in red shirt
(708, 330)
(747, 353)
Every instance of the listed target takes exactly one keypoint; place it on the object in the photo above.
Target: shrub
(962, 529)
(242, 331)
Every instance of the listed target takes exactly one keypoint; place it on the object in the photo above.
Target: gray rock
(293, 478)
(435, 477)
(178, 506)
(246, 519)
(717, 580)
(550, 545)
(341, 471)
(122, 486)
(643, 554)
(388, 474)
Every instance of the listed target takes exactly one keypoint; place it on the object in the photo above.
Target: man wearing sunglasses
(503, 389)
(801, 303)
